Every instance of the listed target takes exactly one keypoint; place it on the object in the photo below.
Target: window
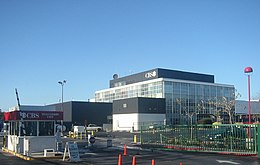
(14, 128)
(46, 128)
(124, 105)
(30, 128)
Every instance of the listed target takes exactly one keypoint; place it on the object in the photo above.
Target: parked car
(227, 137)
(154, 126)
(229, 132)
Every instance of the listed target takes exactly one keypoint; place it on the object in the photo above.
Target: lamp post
(62, 84)
(248, 70)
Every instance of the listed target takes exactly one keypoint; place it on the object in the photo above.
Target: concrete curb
(16, 154)
(29, 157)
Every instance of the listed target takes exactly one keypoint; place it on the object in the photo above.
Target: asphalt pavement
(100, 154)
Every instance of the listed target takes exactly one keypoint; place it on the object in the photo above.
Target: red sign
(33, 115)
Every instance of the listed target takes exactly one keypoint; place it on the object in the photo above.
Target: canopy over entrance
(33, 115)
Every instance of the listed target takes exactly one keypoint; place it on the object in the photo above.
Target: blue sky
(86, 41)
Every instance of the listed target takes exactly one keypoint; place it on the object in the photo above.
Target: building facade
(132, 113)
(242, 111)
(83, 113)
(188, 96)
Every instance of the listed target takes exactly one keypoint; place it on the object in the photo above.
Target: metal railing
(235, 138)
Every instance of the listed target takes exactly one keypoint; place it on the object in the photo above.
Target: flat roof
(161, 73)
(165, 79)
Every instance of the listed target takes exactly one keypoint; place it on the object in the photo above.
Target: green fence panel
(235, 138)
(258, 139)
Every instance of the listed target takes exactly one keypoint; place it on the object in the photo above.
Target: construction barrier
(125, 150)
(119, 159)
(134, 160)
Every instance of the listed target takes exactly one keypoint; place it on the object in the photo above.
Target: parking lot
(100, 154)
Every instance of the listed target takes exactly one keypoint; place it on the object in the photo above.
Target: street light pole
(249, 101)
(62, 84)
(248, 70)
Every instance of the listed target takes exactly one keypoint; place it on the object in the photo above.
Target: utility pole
(62, 108)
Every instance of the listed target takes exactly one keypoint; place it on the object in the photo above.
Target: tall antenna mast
(21, 122)
(17, 97)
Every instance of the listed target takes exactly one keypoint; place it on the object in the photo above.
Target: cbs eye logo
(150, 74)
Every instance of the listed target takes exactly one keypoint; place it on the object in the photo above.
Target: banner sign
(33, 115)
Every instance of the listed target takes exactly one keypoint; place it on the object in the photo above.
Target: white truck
(93, 127)
(78, 129)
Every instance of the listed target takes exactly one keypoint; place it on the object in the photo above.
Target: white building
(185, 93)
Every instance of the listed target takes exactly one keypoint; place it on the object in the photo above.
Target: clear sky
(86, 41)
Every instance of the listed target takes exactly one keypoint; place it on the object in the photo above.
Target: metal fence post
(258, 140)
(141, 136)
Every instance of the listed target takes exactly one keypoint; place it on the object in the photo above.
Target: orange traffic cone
(153, 162)
(119, 159)
(125, 152)
(134, 161)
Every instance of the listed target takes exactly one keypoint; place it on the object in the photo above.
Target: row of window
(31, 128)
(153, 89)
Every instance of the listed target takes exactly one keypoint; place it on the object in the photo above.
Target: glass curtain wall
(151, 89)
(187, 103)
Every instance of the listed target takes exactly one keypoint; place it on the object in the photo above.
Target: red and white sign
(33, 115)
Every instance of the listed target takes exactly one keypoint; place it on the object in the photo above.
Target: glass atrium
(186, 101)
